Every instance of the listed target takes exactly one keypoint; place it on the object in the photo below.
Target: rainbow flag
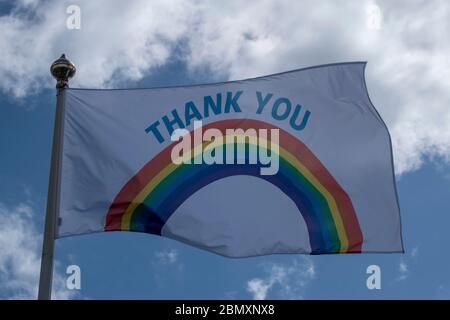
(296, 162)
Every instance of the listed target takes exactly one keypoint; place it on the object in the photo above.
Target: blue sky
(127, 265)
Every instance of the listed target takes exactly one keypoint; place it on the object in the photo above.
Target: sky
(161, 43)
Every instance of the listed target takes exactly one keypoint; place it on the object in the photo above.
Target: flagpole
(62, 70)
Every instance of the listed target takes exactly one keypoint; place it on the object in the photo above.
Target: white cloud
(167, 256)
(443, 292)
(283, 281)
(415, 252)
(405, 262)
(167, 265)
(117, 41)
(403, 271)
(405, 42)
(20, 246)
(408, 72)
(231, 295)
(258, 288)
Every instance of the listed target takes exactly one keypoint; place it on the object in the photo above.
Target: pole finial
(62, 70)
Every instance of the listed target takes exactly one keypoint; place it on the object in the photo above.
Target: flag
(296, 162)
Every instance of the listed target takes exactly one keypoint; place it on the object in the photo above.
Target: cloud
(404, 265)
(167, 256)
(406, 44)
(443, 292)
(403, 270)
(167, 266)
(408, 72)
(231, 295)
(117, 41)
(20, 246)
(415, 252)
(283, 281)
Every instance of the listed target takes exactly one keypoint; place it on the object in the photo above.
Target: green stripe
(135, 221)
(326, 211)
(166, 183)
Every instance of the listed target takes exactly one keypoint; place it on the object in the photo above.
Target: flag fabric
(296, 162)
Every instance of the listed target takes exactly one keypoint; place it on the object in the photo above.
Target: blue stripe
(200, 175)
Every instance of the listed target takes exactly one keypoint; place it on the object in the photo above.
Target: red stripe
(132, 188)
(287, 141)
(309, 160)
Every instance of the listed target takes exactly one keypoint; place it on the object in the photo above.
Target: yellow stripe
(330, 199)
(126, 218)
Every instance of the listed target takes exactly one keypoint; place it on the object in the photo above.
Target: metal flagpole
(62, 70)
